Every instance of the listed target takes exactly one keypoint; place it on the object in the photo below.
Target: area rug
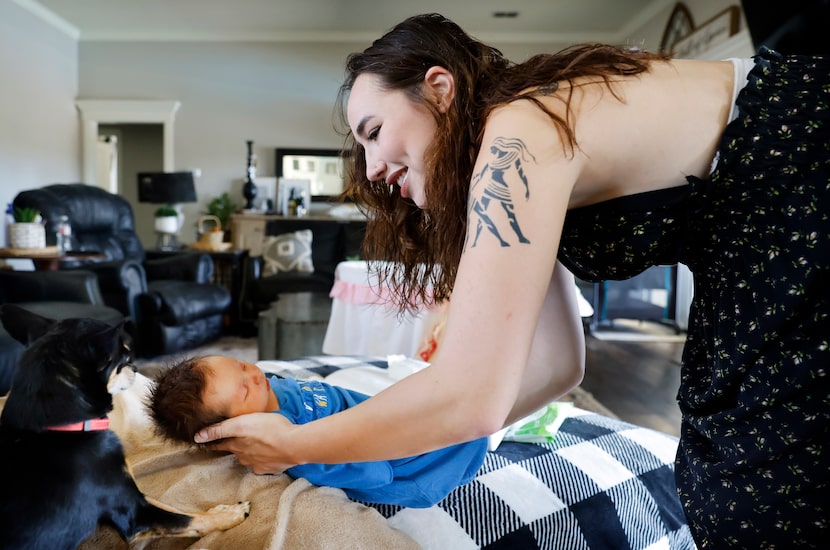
(246, 349)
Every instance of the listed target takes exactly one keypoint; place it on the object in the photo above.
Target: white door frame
(104, 111)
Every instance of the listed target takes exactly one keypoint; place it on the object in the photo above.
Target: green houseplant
(167, 220)
(222, 207)
(25, 215)
(27, 231)
(166, 211)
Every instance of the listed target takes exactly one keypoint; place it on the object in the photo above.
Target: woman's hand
(255, 439)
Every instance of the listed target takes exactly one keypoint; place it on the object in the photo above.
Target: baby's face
(233, 387)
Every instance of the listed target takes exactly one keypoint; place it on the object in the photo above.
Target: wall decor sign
(680, 24)
(711, 33)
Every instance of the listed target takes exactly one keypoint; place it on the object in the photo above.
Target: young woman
(483, 178)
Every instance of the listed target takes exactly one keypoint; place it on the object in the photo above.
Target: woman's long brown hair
(421, 249)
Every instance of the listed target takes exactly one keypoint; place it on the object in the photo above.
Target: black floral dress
(754, 460)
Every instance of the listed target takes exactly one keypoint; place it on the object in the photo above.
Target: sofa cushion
(175, 303)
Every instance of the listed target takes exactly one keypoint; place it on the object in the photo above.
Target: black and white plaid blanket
(602, 483)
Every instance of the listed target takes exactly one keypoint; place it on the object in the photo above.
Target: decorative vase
(27, 235)
(249, 189)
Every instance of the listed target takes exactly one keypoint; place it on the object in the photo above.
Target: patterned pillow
(287, 252)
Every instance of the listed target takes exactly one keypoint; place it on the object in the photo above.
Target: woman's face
(394, 131)
(233, 387)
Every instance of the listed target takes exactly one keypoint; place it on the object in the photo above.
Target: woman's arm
(497, 360)
(559, 341)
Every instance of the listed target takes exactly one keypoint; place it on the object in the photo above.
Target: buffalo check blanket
(602, 483)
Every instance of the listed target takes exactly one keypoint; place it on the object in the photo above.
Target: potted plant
(167, 220)
(27, 231)
(222, 207)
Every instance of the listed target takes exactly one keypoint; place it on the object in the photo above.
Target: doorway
(141, 121)
(139, 149)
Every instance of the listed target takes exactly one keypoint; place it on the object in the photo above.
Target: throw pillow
(287, 252)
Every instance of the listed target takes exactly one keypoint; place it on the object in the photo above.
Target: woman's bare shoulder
(662, 126)
(654, 128)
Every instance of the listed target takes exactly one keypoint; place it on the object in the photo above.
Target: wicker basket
(210, 236)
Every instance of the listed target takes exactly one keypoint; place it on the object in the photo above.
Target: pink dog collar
(94, 425)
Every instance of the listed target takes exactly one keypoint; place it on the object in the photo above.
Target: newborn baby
(198, 392)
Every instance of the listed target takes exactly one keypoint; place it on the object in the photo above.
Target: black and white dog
(62, 471)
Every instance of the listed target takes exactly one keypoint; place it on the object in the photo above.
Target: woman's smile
(399, 178)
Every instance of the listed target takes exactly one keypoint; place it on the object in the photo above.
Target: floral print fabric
(753, 466)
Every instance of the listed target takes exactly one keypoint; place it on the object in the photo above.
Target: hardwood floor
(638, 381)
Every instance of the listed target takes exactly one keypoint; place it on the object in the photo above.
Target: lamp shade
(166, 187)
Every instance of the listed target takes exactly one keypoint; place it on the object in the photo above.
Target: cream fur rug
(285, 514)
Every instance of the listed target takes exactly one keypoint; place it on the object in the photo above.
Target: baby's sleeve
(356, 475)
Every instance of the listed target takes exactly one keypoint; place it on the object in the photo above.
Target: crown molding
(48, 16)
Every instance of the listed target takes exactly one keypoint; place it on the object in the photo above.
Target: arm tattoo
(506, 162)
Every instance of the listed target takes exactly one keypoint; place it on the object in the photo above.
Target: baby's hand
(256, 440)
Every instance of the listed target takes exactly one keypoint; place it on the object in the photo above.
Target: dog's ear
(23, 325)
(110, 341)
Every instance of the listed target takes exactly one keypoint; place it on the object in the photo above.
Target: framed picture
(680, 24)
(288, 188)
(323, 168)
(266, 193)
(709, 34)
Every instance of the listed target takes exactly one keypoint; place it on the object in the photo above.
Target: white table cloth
(364, 322)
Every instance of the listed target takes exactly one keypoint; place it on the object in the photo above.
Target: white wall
(278, 95)
(39, 128)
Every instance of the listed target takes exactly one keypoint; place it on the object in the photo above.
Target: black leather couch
(170, 300)
(333, 241)
(55, 294)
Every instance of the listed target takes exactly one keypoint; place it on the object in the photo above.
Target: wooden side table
(48, 258)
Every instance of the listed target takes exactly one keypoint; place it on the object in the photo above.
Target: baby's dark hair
(175, 401)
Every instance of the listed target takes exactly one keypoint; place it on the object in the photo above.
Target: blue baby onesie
(418, 482)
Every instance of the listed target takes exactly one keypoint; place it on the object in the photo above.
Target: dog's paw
(218, 518)
(230, 514)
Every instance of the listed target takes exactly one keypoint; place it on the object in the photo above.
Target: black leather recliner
(171, 301)
(55, 294)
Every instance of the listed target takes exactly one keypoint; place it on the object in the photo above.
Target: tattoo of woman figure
(505, 164)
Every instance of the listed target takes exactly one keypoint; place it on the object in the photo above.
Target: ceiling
(566, 21)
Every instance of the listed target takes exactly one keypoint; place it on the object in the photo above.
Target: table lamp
(171, 189)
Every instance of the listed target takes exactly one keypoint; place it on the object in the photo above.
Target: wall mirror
(322, 167)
